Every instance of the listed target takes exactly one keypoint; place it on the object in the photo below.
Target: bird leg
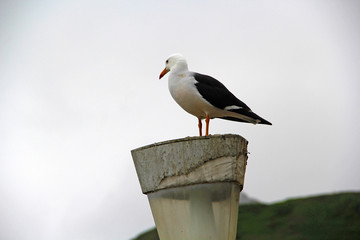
(200, 127)
(207, 120)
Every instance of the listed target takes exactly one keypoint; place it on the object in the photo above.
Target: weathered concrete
(191, 160)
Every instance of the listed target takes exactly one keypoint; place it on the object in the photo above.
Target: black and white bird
(204, 96)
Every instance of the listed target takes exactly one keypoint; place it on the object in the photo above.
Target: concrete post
(193, 185)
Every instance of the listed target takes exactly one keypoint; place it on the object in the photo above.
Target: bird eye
(167, 61)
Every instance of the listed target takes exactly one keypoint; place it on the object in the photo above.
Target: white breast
(183, 90)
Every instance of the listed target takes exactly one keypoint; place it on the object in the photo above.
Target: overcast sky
(79, 89)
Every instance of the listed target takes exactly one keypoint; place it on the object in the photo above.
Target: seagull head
(175, 63)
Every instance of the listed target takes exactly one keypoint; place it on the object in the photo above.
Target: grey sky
(79, 89)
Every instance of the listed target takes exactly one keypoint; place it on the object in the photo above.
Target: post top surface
(188, 139)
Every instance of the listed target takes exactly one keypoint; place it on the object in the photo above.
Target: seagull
(205, 97)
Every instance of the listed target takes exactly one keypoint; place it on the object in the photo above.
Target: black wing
(219, 96)
(216, 93)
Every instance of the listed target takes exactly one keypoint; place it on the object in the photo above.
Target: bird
(203, 96)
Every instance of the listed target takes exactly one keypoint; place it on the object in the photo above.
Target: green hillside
(317, 218)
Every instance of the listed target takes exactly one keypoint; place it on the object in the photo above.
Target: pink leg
(207, 120)
(200, 127)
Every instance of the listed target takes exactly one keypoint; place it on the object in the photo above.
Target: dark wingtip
(265, 122)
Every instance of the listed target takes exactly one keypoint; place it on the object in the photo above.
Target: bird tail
(246, 116)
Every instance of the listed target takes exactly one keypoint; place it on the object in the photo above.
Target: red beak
(165, 71)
